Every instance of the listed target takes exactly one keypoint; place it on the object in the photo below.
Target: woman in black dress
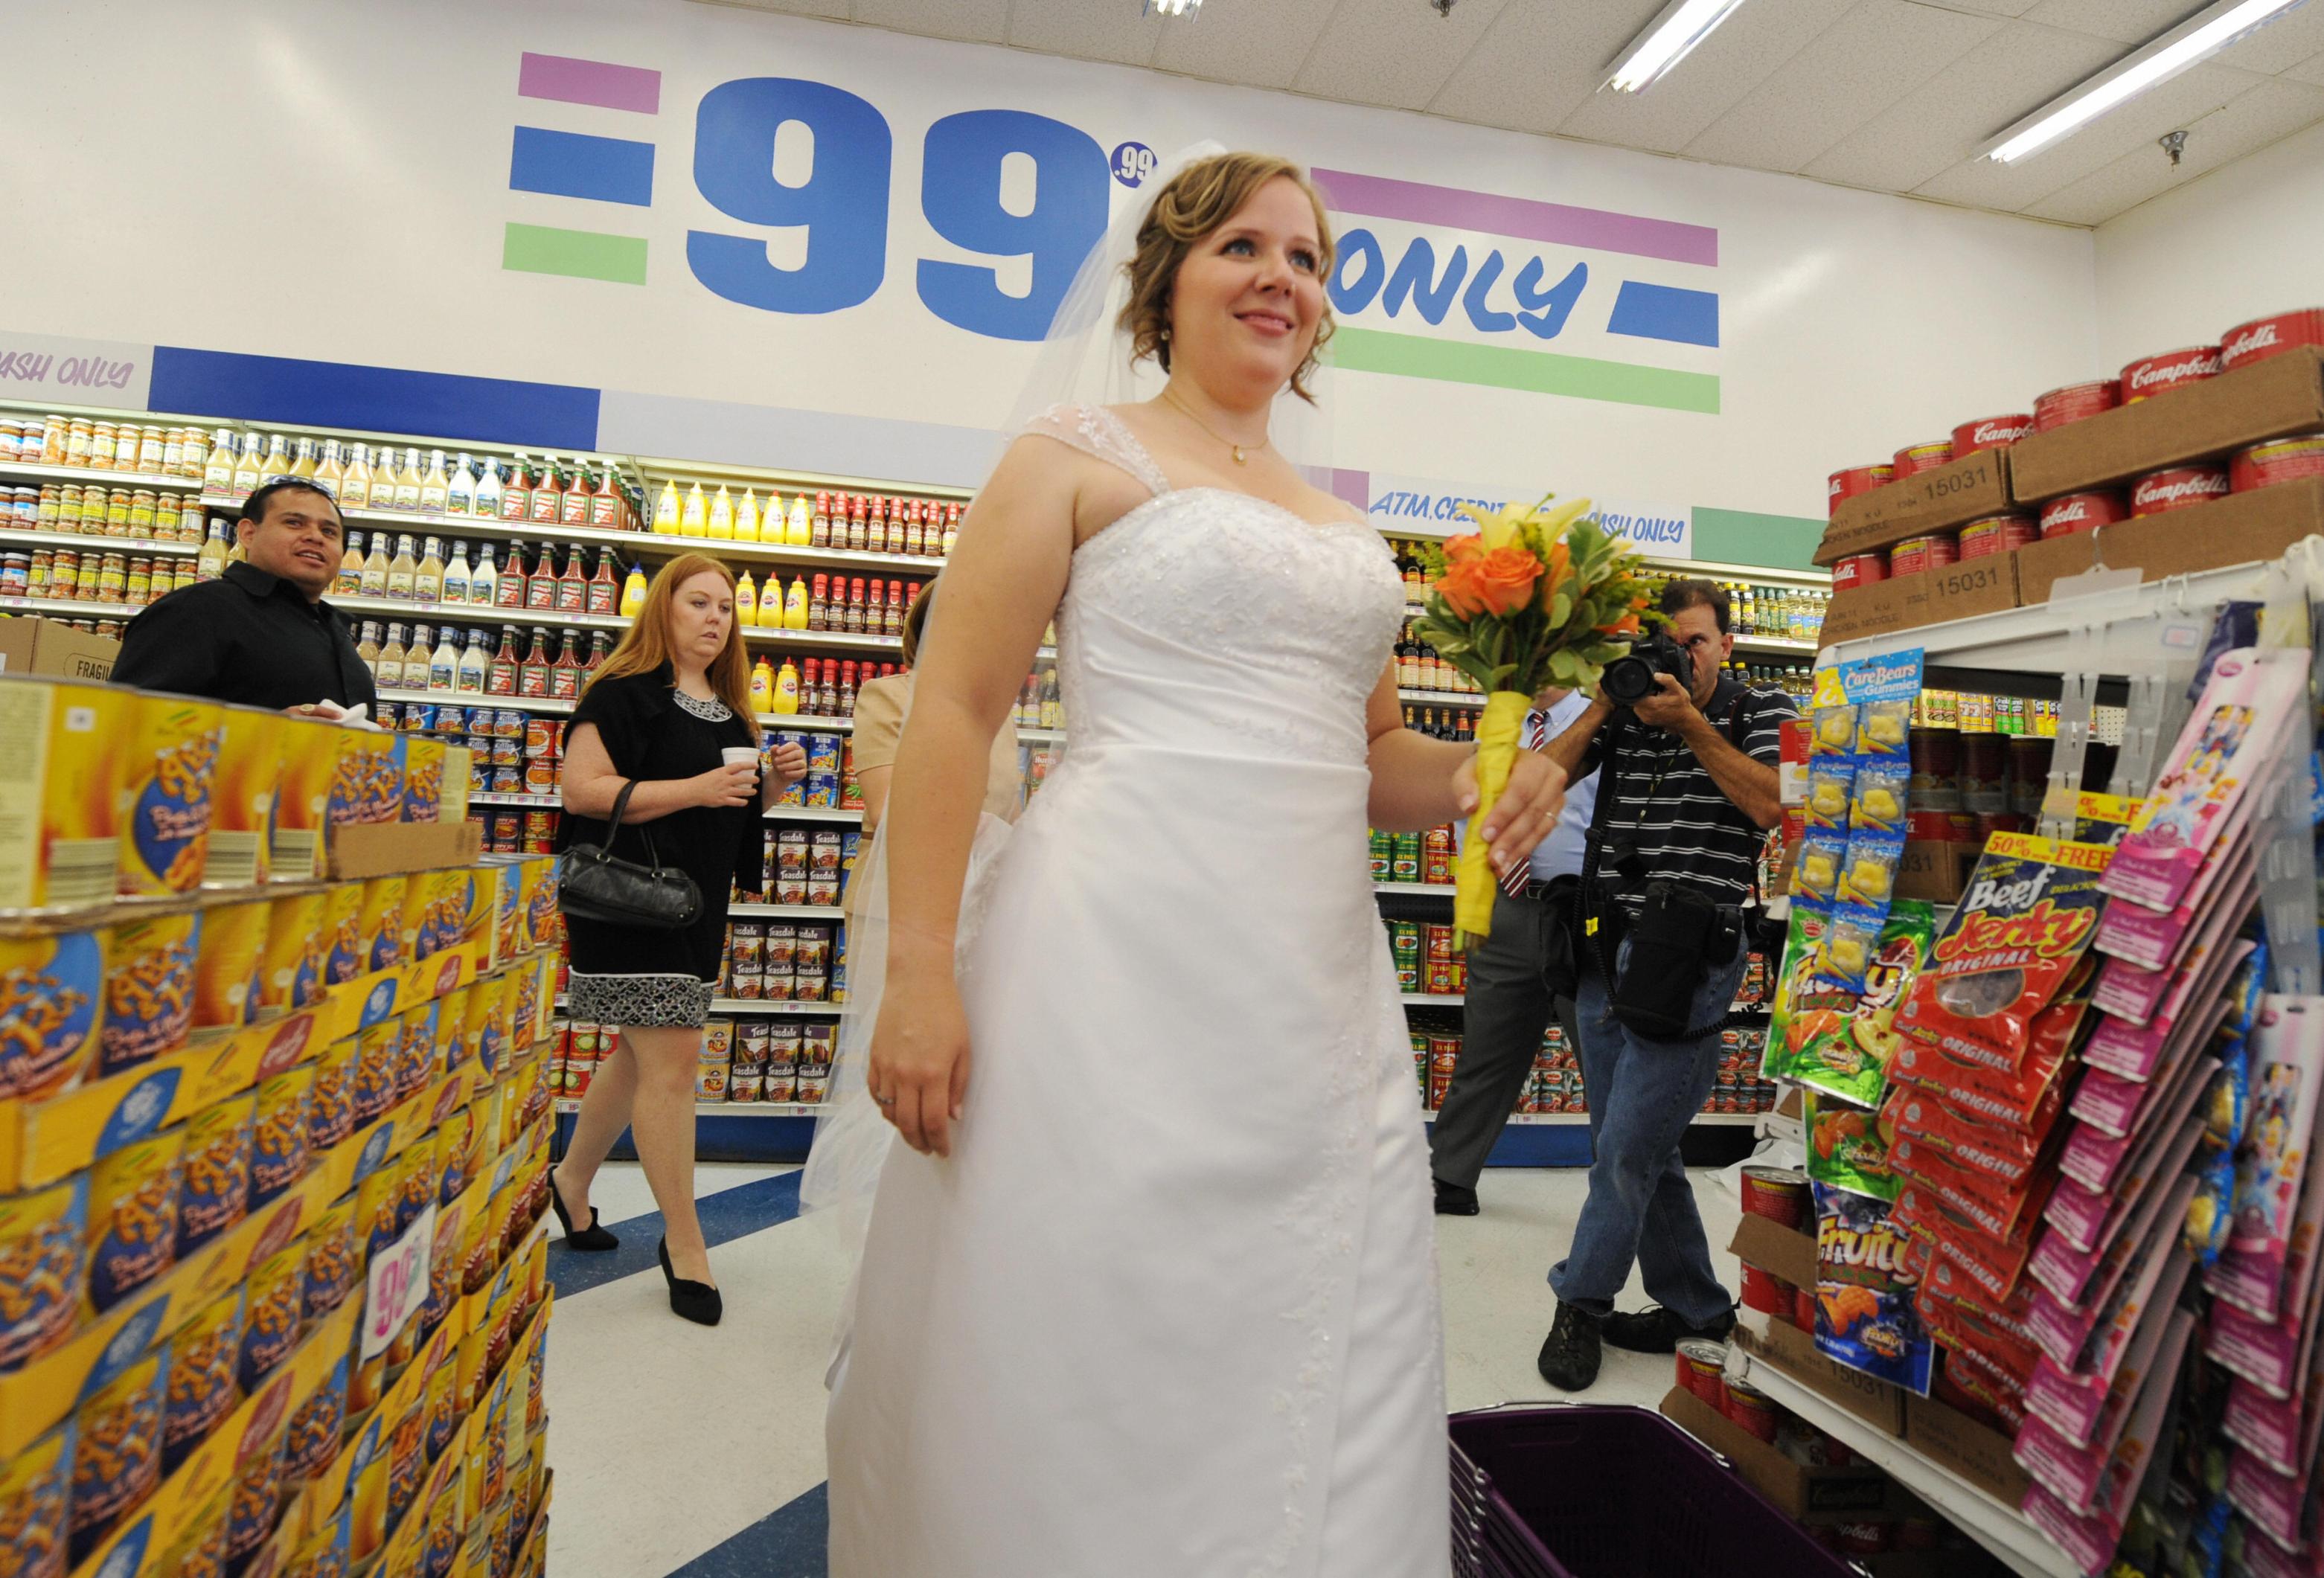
(662, 710)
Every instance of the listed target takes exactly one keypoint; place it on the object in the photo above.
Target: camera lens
(1627, 679)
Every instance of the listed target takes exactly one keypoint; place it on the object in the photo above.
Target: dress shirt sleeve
(171, 646)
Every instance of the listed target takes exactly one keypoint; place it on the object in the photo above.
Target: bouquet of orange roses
(1532, 598)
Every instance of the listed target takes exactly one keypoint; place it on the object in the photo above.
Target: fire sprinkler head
(2174, 144)
(1444, 7)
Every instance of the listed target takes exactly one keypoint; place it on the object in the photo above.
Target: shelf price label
(398, 1285)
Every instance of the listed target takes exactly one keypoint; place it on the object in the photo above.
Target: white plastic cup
(740, 756)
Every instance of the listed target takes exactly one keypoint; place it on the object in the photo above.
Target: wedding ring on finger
(885, 1100)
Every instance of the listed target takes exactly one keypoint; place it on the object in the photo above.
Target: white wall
(327, 178)
(2243, 242)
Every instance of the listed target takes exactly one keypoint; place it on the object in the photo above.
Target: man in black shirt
(1688, 781)
(263, 635)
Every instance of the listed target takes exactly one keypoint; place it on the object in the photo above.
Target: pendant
(1237, 454)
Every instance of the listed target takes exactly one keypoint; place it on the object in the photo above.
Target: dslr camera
(1630, 679)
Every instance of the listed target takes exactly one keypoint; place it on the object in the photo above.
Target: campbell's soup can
(2075, 402)
(1915, 555)
(1996, 534)
(2149, 376)
(2074, 512)
(2177, 488)
(1855, 479)
(1990, 432)
(1915, 458)
(1858, 570)
(2278, 460)
(2264, 338)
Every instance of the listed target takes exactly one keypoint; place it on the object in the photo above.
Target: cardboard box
(1808, 1495)
(2239, 530)
(386, 849)
(1975, 586)
(1976, 1452)
(1968, 489)
(1936, 872)
(1785, 1347)
(2266, 399)
(1767, 1244)
(46, 647)
(1792, 1106)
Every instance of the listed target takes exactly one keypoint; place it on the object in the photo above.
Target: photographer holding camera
(1687, 762)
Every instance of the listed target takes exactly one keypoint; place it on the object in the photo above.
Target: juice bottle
(694, 518)
(487, 504)
(435, 484)
(722, 514)
(746, 518)
(762, 686)
(786, 690)
(374, 568)
(427, 579)
(795, 605)
(746, 601)
(605, 592)
(460, 490)
(633, 592)
(349, 580)
(667, 510)
(516, 494)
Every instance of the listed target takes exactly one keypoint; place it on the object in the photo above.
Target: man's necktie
(1536, 735)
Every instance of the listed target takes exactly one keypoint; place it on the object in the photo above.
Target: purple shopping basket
(1576, 1490)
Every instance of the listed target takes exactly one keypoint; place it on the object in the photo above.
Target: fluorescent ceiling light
(1174, 7)
(2193, 41)
(1682, 24)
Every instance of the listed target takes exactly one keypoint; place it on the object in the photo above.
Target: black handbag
(594, 886)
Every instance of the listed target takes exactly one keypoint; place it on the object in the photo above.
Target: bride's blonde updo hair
(1199, 199)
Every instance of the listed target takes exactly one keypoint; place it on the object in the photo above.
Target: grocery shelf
(524, 802)
(811, 813)
(27, 470)
(1423, 1000)
(1993, 1523)
(1419, 890)
(789, 1010)
(787, 912)
(808, 721)
(471, 699)
(736, 1109)
(1441, 697)
(482, 613)
(33, 538)
(1721, 1120)
(72, 608)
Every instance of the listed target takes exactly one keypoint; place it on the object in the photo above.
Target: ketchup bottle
(547, 494)
(500, 674)
(572, 587)
(818, 604)
(913, 521)
(858, 533)
(847, 688)
(605, 592)
(576, 505)
(827, 696)
(532, 674)
(516, 495)
(819, 527)
(508, 589)
(540, 586)
(854, 625)
(606, 503)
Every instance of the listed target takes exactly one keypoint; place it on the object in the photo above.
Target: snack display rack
(275, 1152)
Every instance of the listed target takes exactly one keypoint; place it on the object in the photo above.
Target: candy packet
(1834, 730)
(2021, 928)
(1883, 728)
(1831, 786)
(1865, 1317)
(1847, 1054)
(1847, 1147)
(1815, 877)
(1878, 801)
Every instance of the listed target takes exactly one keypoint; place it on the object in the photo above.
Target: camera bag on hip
(1675, 934)
(594, 886)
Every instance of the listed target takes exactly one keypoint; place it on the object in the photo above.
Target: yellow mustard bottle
(746, 518)
(786, 687)
(762, 686)
(665, 510)
(633, 592)
(722, 514)
(694, 521)
(746, 601)
(795, 605)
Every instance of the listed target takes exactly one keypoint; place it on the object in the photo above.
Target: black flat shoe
(1658, 1331)
(1452, 1200)
(590, 1239)
(1571, 1353)
(696, 1301)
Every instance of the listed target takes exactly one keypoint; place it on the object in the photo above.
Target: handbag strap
(613, 825)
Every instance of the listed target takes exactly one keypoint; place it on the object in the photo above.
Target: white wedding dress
(1170, 1309)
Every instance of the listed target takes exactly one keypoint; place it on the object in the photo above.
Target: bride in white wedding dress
(1151, 1293)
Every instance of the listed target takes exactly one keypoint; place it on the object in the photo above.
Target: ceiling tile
(2132, 21)
(2296, 36)
(1989, 7)
(1537, 64)
(2309, 70)
(1876, 53)
(983, 21)
(1948, 117)
(2014, 188)
(1396, 53)
(1261, 45)
(831, 8)
(1088, 29)
(2267, 115)
(1748, 48)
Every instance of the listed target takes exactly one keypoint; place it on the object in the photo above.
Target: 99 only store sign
(1006, 184)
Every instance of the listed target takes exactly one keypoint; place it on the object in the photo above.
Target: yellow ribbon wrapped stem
(1473, 882)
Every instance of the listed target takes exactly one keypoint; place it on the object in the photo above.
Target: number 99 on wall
(1000, 183)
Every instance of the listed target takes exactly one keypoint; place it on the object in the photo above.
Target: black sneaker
(1658, 1331)
(1570, 1353)
(1452, 1200)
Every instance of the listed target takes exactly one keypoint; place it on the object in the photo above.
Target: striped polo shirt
(1659, 798)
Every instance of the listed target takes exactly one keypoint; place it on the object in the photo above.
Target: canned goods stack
(781, 961)
(1410, 859)
(758, 1063)
(830, 769)
(1425, 963)
(98, 445)
(240, 1162)
(810, 865)
(93, 575)
(92, 509)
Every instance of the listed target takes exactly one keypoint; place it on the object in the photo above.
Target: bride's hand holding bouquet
(1533, 597)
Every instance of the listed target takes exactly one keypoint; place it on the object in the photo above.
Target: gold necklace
(1240, 457)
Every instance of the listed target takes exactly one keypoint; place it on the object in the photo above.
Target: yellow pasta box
(481, 924)
(412, 927)
(380, 931)
(202, 1390)
(200, 1549)
(459, 781)
(257, 1486)
(215, 1191)
(35, 1503)
(165, 835)
(335, 1260)
(291, 966)
(303, 798)
(149, 990)
(118, 1459)
(133, 1217)
(417, 1060)
(274, 1300)
(331, 1109)
(538, 877)
(367, 776)
(377, 1063)
(52, 1008)
(242, 801)
(225, 965)
(43, 1259)
(312, 1440)
(61, 779)
(345, 957)
(278, 1141)
(444, 911)
(423, 778)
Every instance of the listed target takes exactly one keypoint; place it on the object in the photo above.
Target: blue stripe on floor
(727, 1215)
(787, 1542)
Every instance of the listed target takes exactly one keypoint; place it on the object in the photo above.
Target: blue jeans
(1643, 1093)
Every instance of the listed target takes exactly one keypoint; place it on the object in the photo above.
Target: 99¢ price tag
(397, 1284)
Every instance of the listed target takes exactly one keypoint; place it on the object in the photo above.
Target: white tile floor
(668, 1439)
